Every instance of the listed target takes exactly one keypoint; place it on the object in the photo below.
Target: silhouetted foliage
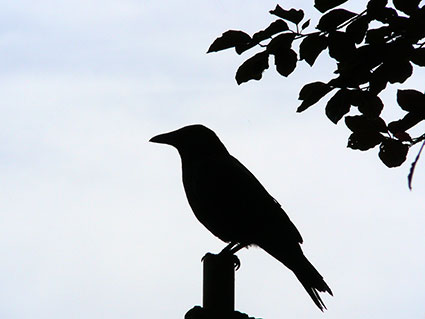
(372, 49)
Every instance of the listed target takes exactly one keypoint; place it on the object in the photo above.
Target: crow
(233, 205)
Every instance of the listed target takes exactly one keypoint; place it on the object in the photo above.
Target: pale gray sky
(86, 230)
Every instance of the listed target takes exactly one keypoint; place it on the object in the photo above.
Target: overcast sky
(94, 220)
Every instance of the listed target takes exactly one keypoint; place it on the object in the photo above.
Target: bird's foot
(226, 254)
(236, 262)
(235, 259)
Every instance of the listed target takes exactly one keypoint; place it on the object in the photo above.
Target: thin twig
(417, 139)
(412, 168)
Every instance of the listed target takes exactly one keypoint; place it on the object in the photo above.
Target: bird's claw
(236, 262)
(226, 253)
(235, 259)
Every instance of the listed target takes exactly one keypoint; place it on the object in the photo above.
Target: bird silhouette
(233, 205)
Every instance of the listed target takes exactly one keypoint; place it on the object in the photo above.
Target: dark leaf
(281, 42)
(312, 93)
(369, 104)
(372, 107)
(364, 140)
(400, 125)
(370, 55)
(292, 15)
(275, 27)
(401, 25)
(357, 97)
(331, 20)
(357, 29)
(312, 46)
(396, 70)
(380, 35)
(285, 61)
(338, 105)
(407, 6)
(352, 74)
(338, 83)
(412, 168)
(341, 46)
(375, 8)
(418, 56)
(387, 15)
(229, 39)
(378, 80)
(411, 100)
(361, 124)
(393, 152)
(355, 65)
(325, 5)
(241, 48)
(403, 136)
(416, 27)
(400, 71)
(401, 49)
(395, 66)
(407, 122)
(305, 24)
(252, 69)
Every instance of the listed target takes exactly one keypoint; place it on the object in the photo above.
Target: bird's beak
(166, 138)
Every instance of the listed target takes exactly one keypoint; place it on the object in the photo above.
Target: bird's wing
(259, 204)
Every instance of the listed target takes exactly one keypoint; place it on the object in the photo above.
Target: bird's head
(194, 139)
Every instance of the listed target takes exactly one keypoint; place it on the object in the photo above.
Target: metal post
(219, 284)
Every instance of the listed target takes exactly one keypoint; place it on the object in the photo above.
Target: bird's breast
(207, 190)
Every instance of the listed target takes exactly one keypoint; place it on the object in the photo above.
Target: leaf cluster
(372, 50)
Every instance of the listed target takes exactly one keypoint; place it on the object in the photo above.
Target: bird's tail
(309, 277)
(312, 281)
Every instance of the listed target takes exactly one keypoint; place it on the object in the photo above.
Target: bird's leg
(228, 248)
(237, 247)
(231, 249)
